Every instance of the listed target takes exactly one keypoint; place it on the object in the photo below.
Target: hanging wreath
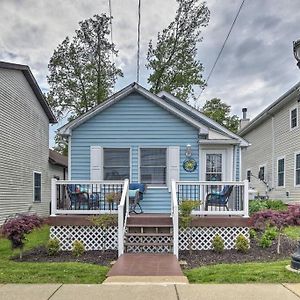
(189, 165)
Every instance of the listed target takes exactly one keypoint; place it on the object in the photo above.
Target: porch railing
(85, 196)
(221, 198)
(174, 215)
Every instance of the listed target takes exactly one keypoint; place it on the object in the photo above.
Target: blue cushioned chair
(219, 199)
(136, 194)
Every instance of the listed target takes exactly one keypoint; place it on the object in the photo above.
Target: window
(214, 167)
(261, 173)
(248, 175)
(297, 169)
(153, 165)
(280, 172)
(37, 187)
(116, 163)
(294, 118)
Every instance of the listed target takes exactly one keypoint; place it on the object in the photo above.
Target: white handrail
(174, 213)
(121, 219)
(89, 182)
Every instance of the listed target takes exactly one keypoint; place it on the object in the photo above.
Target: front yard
(26, 272)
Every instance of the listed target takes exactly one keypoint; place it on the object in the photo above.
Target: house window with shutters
(116, 163)
(153, 166)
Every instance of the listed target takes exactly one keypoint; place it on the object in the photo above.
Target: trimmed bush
(52, 247)
(242, 244)
(252, 234)
(218, 244)
(257, 205)
(265, 242)
(78, 248)
(16, 228)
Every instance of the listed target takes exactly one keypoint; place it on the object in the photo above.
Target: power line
(223, 46)
(138, 43)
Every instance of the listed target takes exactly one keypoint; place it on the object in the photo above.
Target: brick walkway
(142, 264)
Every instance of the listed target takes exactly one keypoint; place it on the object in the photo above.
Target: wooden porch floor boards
(146, 264)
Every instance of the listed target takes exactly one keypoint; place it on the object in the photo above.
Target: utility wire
(138, 43)
(223, 46)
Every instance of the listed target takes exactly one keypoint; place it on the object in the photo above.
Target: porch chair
(79, 199)
(219, 199)
(136, 194)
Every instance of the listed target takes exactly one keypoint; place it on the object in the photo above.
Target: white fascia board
(243, 142)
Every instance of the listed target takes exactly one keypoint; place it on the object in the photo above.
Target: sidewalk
(150, 291)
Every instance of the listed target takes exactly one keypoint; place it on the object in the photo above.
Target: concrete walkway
(149, 292)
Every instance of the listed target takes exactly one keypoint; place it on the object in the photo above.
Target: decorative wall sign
(189, 165)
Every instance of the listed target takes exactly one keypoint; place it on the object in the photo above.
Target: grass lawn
(24, 272)
(293, 232)
(271, 272)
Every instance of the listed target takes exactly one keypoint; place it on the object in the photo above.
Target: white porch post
(120, 230)
(246, 198)
(53, 197)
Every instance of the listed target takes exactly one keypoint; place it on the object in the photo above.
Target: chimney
(244, 121)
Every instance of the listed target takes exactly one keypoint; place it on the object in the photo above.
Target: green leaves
(172, 60)
(220, 112)
(81, 72)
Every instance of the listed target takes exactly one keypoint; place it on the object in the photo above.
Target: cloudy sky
(256, 67)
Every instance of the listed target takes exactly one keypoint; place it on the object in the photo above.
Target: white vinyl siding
(24, 135)
(281, 172)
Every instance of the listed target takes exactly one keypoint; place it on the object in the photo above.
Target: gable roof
(56, 158)
(171, 104)
(272, 109)
(33, 84)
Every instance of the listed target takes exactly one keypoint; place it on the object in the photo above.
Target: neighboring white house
(25, 165)
(274, 154)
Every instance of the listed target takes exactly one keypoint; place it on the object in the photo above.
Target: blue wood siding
(237, 164)
(134, 122)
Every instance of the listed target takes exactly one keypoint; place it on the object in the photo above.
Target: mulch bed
(39, 254)
(255, 253)
(195, 259)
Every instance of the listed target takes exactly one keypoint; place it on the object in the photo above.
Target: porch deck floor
(146, 264)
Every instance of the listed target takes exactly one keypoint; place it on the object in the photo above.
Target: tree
(81, 72)
(173, 64)
(220, 112)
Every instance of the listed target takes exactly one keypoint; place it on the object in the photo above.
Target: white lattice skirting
(95, 238)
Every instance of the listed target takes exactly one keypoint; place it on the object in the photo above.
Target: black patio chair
(219, 199)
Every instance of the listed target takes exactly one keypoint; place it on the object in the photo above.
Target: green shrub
(185, 210)
(218, 244)
(265, 242)
(242, 244)
(78, 248)
(252, 233)
(52, 247)
(276, 205)
(105, 220)
(257, 205)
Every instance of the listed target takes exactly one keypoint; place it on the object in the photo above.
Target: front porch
(218, 212)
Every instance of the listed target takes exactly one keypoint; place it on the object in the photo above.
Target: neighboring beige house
(25, 166)
(274, 152)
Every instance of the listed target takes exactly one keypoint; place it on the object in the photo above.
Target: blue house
(173, 149)
(145, 137)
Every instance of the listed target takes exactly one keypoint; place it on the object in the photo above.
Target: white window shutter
(96, 165)
(173, 164)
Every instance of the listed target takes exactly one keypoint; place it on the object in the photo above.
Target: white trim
(33, 186)
(203, 116)
(294, 107)
(69, 158)
(152, 186)
(240, 164)
(295, 154)
(284, 172)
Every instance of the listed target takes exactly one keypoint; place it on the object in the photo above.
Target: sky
(256, 67)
